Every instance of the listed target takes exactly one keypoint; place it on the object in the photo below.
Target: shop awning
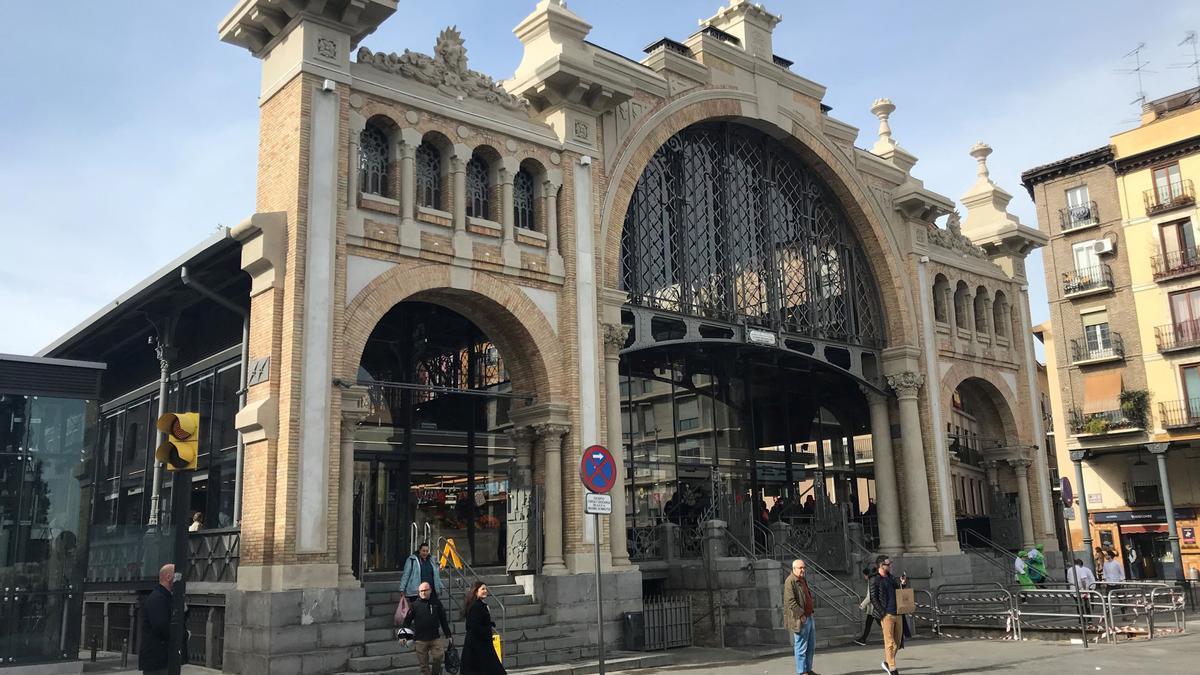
(1140, 529)
(1101, 391)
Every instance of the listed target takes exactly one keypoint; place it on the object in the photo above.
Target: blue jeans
(803, 644)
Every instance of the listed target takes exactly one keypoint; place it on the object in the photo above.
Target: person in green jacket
(1021, 568)
(1036, 564)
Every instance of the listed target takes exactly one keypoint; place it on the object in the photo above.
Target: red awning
(1141, 529)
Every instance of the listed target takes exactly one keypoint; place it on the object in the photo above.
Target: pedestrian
(156, 624)
(420, 568)
(869, 617)
(425, 616)
(1113, 571)
(883, 606)
(1082, 578)
(1021, 569)
(798, 618)
(1036, 565)
(197, 522)
(1135, 564)
(478, 654)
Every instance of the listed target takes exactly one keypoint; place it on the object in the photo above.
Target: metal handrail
(822, 574)
(442, 542)
(1085, 608)
(990, 544)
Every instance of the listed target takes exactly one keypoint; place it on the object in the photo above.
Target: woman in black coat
(478, 655)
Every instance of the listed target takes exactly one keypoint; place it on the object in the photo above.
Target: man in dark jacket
(156, 624)
(425, 615)
(883, 588)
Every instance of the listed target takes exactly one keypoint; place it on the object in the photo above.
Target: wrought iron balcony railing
(1078, 216)
(969, 449)
(1175, 336)
(1180, 414)
(1176, 263)
(1168, 197)
(1113, 349)
(1104, 422)
(1095, 278)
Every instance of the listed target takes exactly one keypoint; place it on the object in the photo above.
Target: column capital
(409, 137)
(1157, 448)
(356, 406)
(550, 432)
(615, 336)
(874, 396)
(1020, 466)
(522, 435)
(906, 383)
(1079, 455)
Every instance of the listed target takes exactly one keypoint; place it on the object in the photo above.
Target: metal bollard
(94, 646)
(125, 652)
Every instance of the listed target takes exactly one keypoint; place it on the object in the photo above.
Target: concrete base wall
(312, 631)
(570, 599)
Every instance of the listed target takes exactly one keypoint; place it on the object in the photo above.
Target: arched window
(981, 310)
(941, 295)
(373, 161)
(429, 176)
(523, 199)
(1000, 315)
(960, 305)
(478, 188)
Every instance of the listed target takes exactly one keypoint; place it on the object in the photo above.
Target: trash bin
(634, 631)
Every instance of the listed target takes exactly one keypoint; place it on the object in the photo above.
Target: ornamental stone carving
(953, 239)
(446, 71)
(551, 432)
(873, 397)
(906, 383)
(615, 336)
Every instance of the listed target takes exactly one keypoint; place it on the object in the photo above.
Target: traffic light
(181, 448)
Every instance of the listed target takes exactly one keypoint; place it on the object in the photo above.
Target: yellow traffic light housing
(181, 448)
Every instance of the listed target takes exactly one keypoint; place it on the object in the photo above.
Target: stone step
(614, 661)
(518, 634)
(391, 595)
(520, 616)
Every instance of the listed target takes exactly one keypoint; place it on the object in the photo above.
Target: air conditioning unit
(1102, 246)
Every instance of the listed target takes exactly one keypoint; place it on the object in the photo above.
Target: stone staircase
(834, 627)
(530, 638)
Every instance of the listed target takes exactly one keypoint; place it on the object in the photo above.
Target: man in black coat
(882, 590)
(156, 624)
(425, 616)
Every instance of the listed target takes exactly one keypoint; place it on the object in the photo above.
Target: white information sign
(595, 504)
(1069, 513)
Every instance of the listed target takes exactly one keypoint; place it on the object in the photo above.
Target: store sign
(1095, 498)
(1154, 516)
(1189, 535)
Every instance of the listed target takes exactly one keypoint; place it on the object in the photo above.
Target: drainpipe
(245, 358)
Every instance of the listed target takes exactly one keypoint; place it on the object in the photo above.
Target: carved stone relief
(953, 239)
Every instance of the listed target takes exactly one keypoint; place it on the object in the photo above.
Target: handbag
(865, 605)
(906, 601)
(496, 646)
(451, 661)
(401, 610)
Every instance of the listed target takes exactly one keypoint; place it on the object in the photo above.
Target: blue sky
(128, 134)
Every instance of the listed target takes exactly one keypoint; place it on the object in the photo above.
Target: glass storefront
(45, 450)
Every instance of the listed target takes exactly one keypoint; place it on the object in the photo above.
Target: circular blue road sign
(598, 470)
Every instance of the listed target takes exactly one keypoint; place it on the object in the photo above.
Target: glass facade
(45, 450)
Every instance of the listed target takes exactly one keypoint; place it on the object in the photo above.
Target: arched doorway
(432, 459)
(984, 450)
(755, 319)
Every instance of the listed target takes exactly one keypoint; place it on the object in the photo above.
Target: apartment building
(1123, 340)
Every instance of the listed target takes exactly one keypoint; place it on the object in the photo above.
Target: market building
(1121, 342)
(451, 286)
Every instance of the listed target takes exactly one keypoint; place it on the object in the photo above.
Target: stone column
(458, 203)
(991, 468)
(406, 150)
(887, 498)
(1021, 469)
(508, 248)
(916, 483)
(551, 436)
(522, 439)
(553, 255)
(614, 339)
(355, 407)
(1159, 450)
(1089, 558)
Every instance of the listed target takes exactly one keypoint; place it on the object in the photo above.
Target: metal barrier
(927, 612)
(1063, 609)
(667, 622)
(985, 605)
(1136, 600)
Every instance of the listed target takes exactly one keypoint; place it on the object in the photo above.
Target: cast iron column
(1159, 450)
(1089, 559)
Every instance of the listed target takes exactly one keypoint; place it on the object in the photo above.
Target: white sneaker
(885, 668)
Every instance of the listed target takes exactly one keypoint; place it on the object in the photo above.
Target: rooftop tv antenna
(1190, 39)
(1137, 70)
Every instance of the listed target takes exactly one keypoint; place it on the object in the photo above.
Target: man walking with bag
(798, 617)
(884, 607)
(425, 615)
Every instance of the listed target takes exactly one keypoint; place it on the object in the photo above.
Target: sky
(127, 136)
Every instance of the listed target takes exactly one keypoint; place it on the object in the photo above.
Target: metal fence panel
(668, 622)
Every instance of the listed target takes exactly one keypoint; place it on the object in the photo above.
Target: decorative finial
(980, 152)
(883, 108)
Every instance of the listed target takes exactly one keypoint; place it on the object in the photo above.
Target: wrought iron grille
(523, 199)
(373, 161)
(478, 189)
(213, 555)
(429, 176)
(645, 543)
(728, 225)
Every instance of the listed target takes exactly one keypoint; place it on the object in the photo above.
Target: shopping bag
(401, 610)
(451, 662)
(496, 646)
(906, 601)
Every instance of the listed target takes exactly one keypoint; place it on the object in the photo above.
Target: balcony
(1084, 354)
(1176, 264)
(1101, 423)
(1180, 414)
(1078, 217)
(969, 448)
(1087, 281)
(1174, 337)
(1169, 197)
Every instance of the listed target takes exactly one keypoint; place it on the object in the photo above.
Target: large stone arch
(715, 104)
(508, 317)
(994, 390)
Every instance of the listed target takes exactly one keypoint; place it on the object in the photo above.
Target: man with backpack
(425, 616)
